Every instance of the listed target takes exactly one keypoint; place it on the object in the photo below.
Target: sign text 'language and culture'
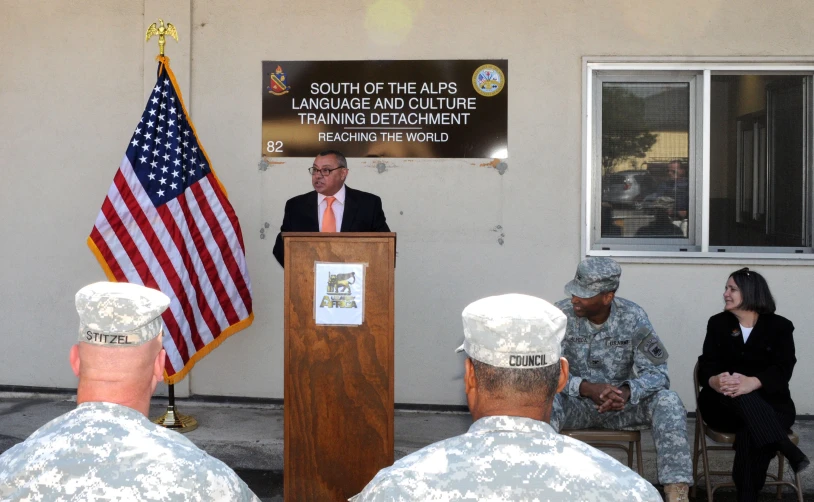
(428, 109)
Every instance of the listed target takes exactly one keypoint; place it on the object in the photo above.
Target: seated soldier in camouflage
(510, 453)
(619, 372)
(106, 448)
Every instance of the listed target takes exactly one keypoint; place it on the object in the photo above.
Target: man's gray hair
(540, 383)
(340, 157)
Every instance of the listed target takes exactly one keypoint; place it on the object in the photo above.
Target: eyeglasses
(324, 172)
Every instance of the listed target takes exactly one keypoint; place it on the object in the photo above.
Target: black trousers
(759, 430)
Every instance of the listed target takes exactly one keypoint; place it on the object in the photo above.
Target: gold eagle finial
(161, 30)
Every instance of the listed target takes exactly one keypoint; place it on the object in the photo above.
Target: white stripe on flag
(206, 288)
(212, 247)
(227, 229)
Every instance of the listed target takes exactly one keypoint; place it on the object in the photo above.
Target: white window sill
(699, 258)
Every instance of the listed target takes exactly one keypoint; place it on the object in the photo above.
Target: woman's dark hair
(755, 292)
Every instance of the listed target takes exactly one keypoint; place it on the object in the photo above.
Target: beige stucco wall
(72, 87)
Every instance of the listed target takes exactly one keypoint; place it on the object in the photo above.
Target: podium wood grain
(338, 379)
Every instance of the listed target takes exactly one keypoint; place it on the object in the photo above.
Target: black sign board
(425, 109)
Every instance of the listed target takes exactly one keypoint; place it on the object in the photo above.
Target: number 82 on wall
(274, 147)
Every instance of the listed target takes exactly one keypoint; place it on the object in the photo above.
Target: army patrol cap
(513, 331)
(594, 276)
(119, 313)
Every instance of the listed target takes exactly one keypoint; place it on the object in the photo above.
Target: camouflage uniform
(508, 458)
(624, 350)
(105, 451)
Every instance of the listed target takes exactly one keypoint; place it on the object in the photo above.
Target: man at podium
(332, 206)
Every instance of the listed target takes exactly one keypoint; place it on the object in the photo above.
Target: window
(699, 159)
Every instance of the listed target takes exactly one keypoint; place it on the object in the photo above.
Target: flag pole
(171, 419)
(174, 420)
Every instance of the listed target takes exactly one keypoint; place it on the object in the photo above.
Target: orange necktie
(328, 218)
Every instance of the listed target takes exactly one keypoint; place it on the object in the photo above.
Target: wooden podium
(338, 379)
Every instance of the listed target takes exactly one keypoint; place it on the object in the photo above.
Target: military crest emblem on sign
(277, 82)
(488, 80)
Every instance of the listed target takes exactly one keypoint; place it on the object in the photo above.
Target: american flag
(166, 223)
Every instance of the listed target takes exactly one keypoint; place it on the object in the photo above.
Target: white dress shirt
(338, 206)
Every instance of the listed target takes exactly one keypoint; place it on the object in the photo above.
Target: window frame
(597, 68)
(692, 80)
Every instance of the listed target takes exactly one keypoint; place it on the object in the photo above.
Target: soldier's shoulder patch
(653, 349)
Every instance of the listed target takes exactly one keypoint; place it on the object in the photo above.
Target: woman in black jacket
(745, 370)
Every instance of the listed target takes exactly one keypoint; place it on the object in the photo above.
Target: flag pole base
(175, 421)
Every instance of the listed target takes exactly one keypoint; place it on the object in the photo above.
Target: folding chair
(703, 431)
(609, 438)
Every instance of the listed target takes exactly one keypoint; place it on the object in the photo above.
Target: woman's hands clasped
(734, 384)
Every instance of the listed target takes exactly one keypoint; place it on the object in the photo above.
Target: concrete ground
(249, 437)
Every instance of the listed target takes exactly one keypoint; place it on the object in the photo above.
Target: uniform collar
(503, 423)
(96, 406)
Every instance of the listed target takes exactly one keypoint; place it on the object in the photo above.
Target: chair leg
(630, 455)
(799, 487)
(705, 460)
(694, 491)
(780, 462)
(639, 465)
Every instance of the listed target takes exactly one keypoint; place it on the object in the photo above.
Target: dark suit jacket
(768, 354)
(363, 213)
